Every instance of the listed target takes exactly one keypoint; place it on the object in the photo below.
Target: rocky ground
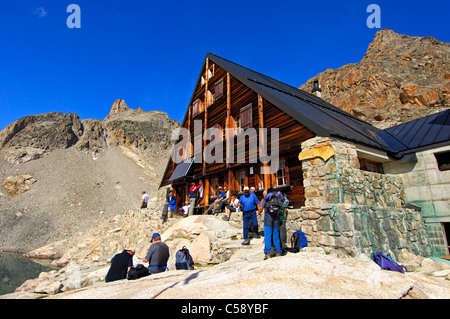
(227, 270)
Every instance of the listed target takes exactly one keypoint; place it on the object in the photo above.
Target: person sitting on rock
(171, 203)
(120, 266)
(231, 207)
(157, 255)
(222, 198)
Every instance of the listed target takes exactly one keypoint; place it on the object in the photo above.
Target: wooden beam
(260, 111)
(188, 153)
(262, 141)
(206, 118)
(231, 181)
(206, 192)
(227, 123)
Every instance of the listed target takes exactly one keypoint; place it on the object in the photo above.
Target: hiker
(144, 201)
(216, 206)
(184, 210)
(120, 265)
(273, 206)
(157, 255)
(200, 193)
(249, 204)
(193, 191)
(171, 203)
(231, 207)
(225, 198)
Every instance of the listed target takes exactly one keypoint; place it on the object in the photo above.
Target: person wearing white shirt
(144, 202)
(231, 207)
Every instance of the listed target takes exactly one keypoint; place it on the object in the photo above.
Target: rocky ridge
(400, 78)
(145, 133)
(63, 176)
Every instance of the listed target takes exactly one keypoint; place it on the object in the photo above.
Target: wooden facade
(222, 101)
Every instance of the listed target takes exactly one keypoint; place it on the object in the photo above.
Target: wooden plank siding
(291, 135)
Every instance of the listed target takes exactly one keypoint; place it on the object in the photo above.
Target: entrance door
(446, 228)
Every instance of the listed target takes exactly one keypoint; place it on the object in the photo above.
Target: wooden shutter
(195, 108)
(246, 117)
(218, 89)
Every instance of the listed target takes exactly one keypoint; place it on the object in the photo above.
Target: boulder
(18, 184)
(409, 260)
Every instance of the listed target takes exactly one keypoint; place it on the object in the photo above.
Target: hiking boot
(226, 218)
(246, 242)
(266, 256)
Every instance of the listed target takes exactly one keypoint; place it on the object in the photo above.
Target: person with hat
(249, 203)
(157, 255)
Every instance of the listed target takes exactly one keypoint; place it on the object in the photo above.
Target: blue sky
(150, 52)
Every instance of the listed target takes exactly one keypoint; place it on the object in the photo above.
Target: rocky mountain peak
(118, 107)
(400, 78)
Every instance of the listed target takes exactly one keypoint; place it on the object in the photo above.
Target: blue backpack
(183, 259)
(298, 241)
(387, 263)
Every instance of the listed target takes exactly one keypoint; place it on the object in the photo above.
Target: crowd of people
(274, 205)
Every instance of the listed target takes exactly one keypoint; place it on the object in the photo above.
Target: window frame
(246, 117)
(283, 168)
(443, 160)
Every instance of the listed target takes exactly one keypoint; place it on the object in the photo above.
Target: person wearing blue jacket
(249, 203)
(171, 204)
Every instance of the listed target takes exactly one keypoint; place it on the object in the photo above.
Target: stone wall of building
(352, 210)
(427, 187)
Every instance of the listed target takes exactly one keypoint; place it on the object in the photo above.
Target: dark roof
(426, 132)
(321, 117)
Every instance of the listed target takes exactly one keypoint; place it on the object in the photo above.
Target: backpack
(137, 272)
(387, 263)
(183, 260)
(298, 241)
(275, 206)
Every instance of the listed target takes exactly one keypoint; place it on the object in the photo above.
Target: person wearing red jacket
(193, 197)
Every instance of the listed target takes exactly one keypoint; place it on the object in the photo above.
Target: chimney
(317, 89)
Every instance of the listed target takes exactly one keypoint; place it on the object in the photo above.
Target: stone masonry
(355, 211)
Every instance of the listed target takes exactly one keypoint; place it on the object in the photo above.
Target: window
(209, 73)
(370, 166)
(196, 108)
(246, 118)
(216, 134)
(214, 185)
(218, 89)
(443, 161)
(209, 98)
(198, 147)
(241, 179)
(446, 228)
(281, 174)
